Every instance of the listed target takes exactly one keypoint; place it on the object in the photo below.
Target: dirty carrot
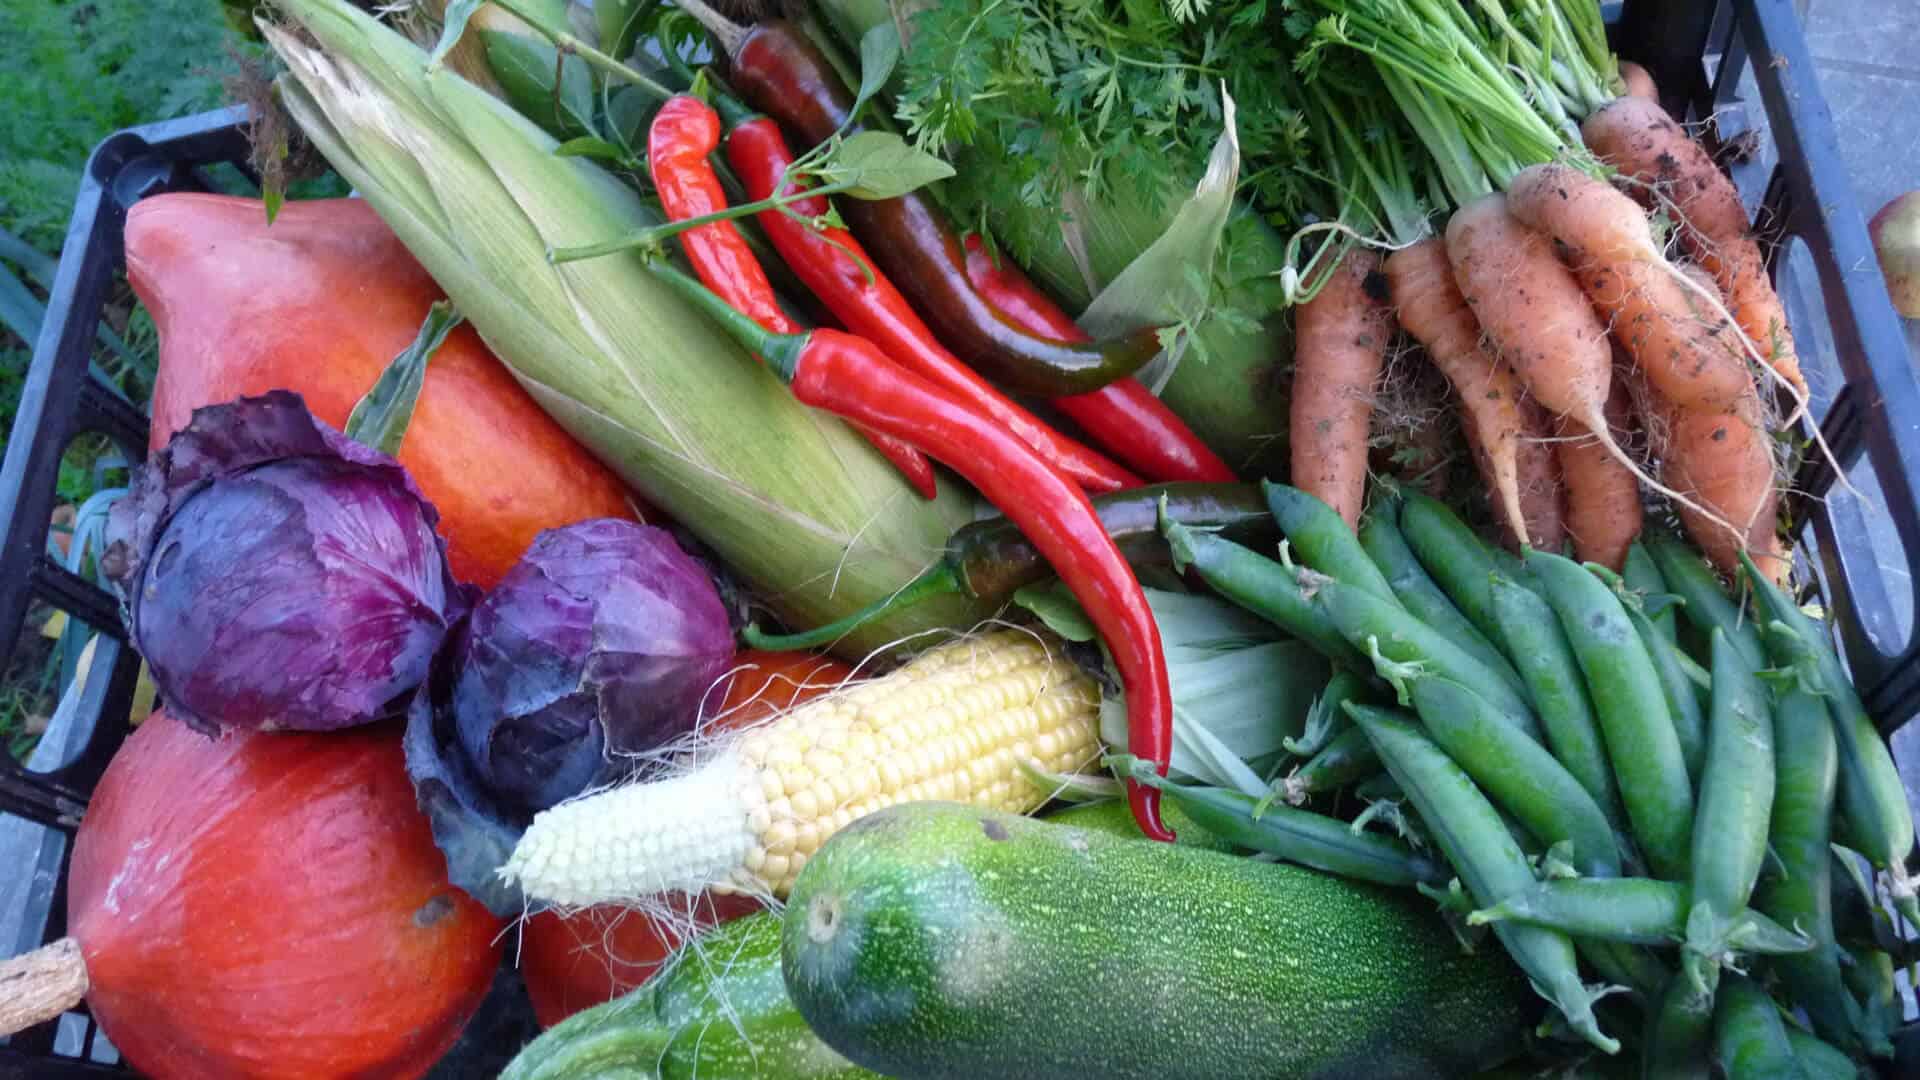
(1341, 338)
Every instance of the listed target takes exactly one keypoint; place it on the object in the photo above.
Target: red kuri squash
(318, 303)
(269, 905)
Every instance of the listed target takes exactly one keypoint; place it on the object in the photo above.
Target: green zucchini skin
(941, 940)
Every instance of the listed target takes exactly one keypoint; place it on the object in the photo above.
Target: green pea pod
(1705, 604)
(1683, 704)
(1539, 647)
(1736, 802)
(1632, 911)
(1370, 624)
(1874, 817)
(1468, 831)
(1324, 541)
(1634, 719)
(1458, 561)
(1297, 836)
(1261, 586)
(1517, 773)
(1679, 1041)
(1799, 832)
(1870, 977)
(1821, 1059)
(1643, 576)
(1380, 536)
(1749, 1037)
(1326, 718)
(1349, 757)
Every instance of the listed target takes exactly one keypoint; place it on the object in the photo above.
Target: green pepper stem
(654, 235)
(780, 351)
(939, 580)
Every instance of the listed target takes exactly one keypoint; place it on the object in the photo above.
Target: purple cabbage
(277, 574)
(599, 644)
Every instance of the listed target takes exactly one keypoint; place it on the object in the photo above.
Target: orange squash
(272, 905)
(582, 959)
(318, 303)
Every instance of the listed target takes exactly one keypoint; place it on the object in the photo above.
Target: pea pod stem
(1299, 836)
(1324, 541)
(1348, 757)
(1326, 719)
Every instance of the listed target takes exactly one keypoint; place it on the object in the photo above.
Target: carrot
(1540, 481)
(1692, 362)
(1432, 310)
(1724, 460)
(1637, 137)
(1639, 82)
(1341, 338)
(1603, 497)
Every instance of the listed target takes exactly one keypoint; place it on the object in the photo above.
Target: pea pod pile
(1640, 784)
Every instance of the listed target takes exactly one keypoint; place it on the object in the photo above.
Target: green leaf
(1167, 283)
(1055, 607)
(589, 147)
(526, 68)
(882, 165)
(452, 26)
(628, 112)
(619, 24)
(879, 53)
(380, 418)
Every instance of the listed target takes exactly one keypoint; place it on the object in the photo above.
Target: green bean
(1348, 757)
(1324, 540)
(1517, 773)
(1457, 559)
(1369, 623)
(1736, 800)
(1261, 586)
(1643, 576)
(1704, 603)
(1819, 1058)
(1468, 831)
(1799, 831)
(1634, 720)
(1679, 1042)
(1870, 978)
(1874, 817)
(1749, 1038)
(1298, 836)
(1381, 538)
(1326, 718)
(1632, 910)
(1682, 703)
(1540, 648)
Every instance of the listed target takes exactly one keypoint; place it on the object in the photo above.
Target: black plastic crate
(1699, 52)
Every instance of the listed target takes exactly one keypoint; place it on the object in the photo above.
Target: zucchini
(937, 940)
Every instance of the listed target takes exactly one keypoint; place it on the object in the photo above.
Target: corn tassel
(956, 724)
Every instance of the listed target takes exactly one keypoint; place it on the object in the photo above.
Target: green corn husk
(1236, 398)
(790, 498)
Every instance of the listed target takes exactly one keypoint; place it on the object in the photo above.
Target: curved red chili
(850, 377)
(868, 304)
(1123, 416)
(783, 74)
(684, 132)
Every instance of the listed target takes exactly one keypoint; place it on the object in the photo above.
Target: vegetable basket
(1862, 550)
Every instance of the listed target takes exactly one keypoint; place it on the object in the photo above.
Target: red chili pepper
(684, 132)
(1124, 416)
(868, 304)
(850, 377)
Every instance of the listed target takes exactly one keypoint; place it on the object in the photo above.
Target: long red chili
(684, 132)
(782, 73)
(1123, 416)
(852, 378)
(855, 290)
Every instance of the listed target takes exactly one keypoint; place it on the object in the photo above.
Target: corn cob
(955, 724)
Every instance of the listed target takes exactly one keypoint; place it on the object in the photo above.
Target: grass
(74, 72)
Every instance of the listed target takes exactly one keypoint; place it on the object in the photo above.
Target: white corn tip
(627, 843)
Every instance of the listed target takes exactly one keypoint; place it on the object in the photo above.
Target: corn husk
(790, 498)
